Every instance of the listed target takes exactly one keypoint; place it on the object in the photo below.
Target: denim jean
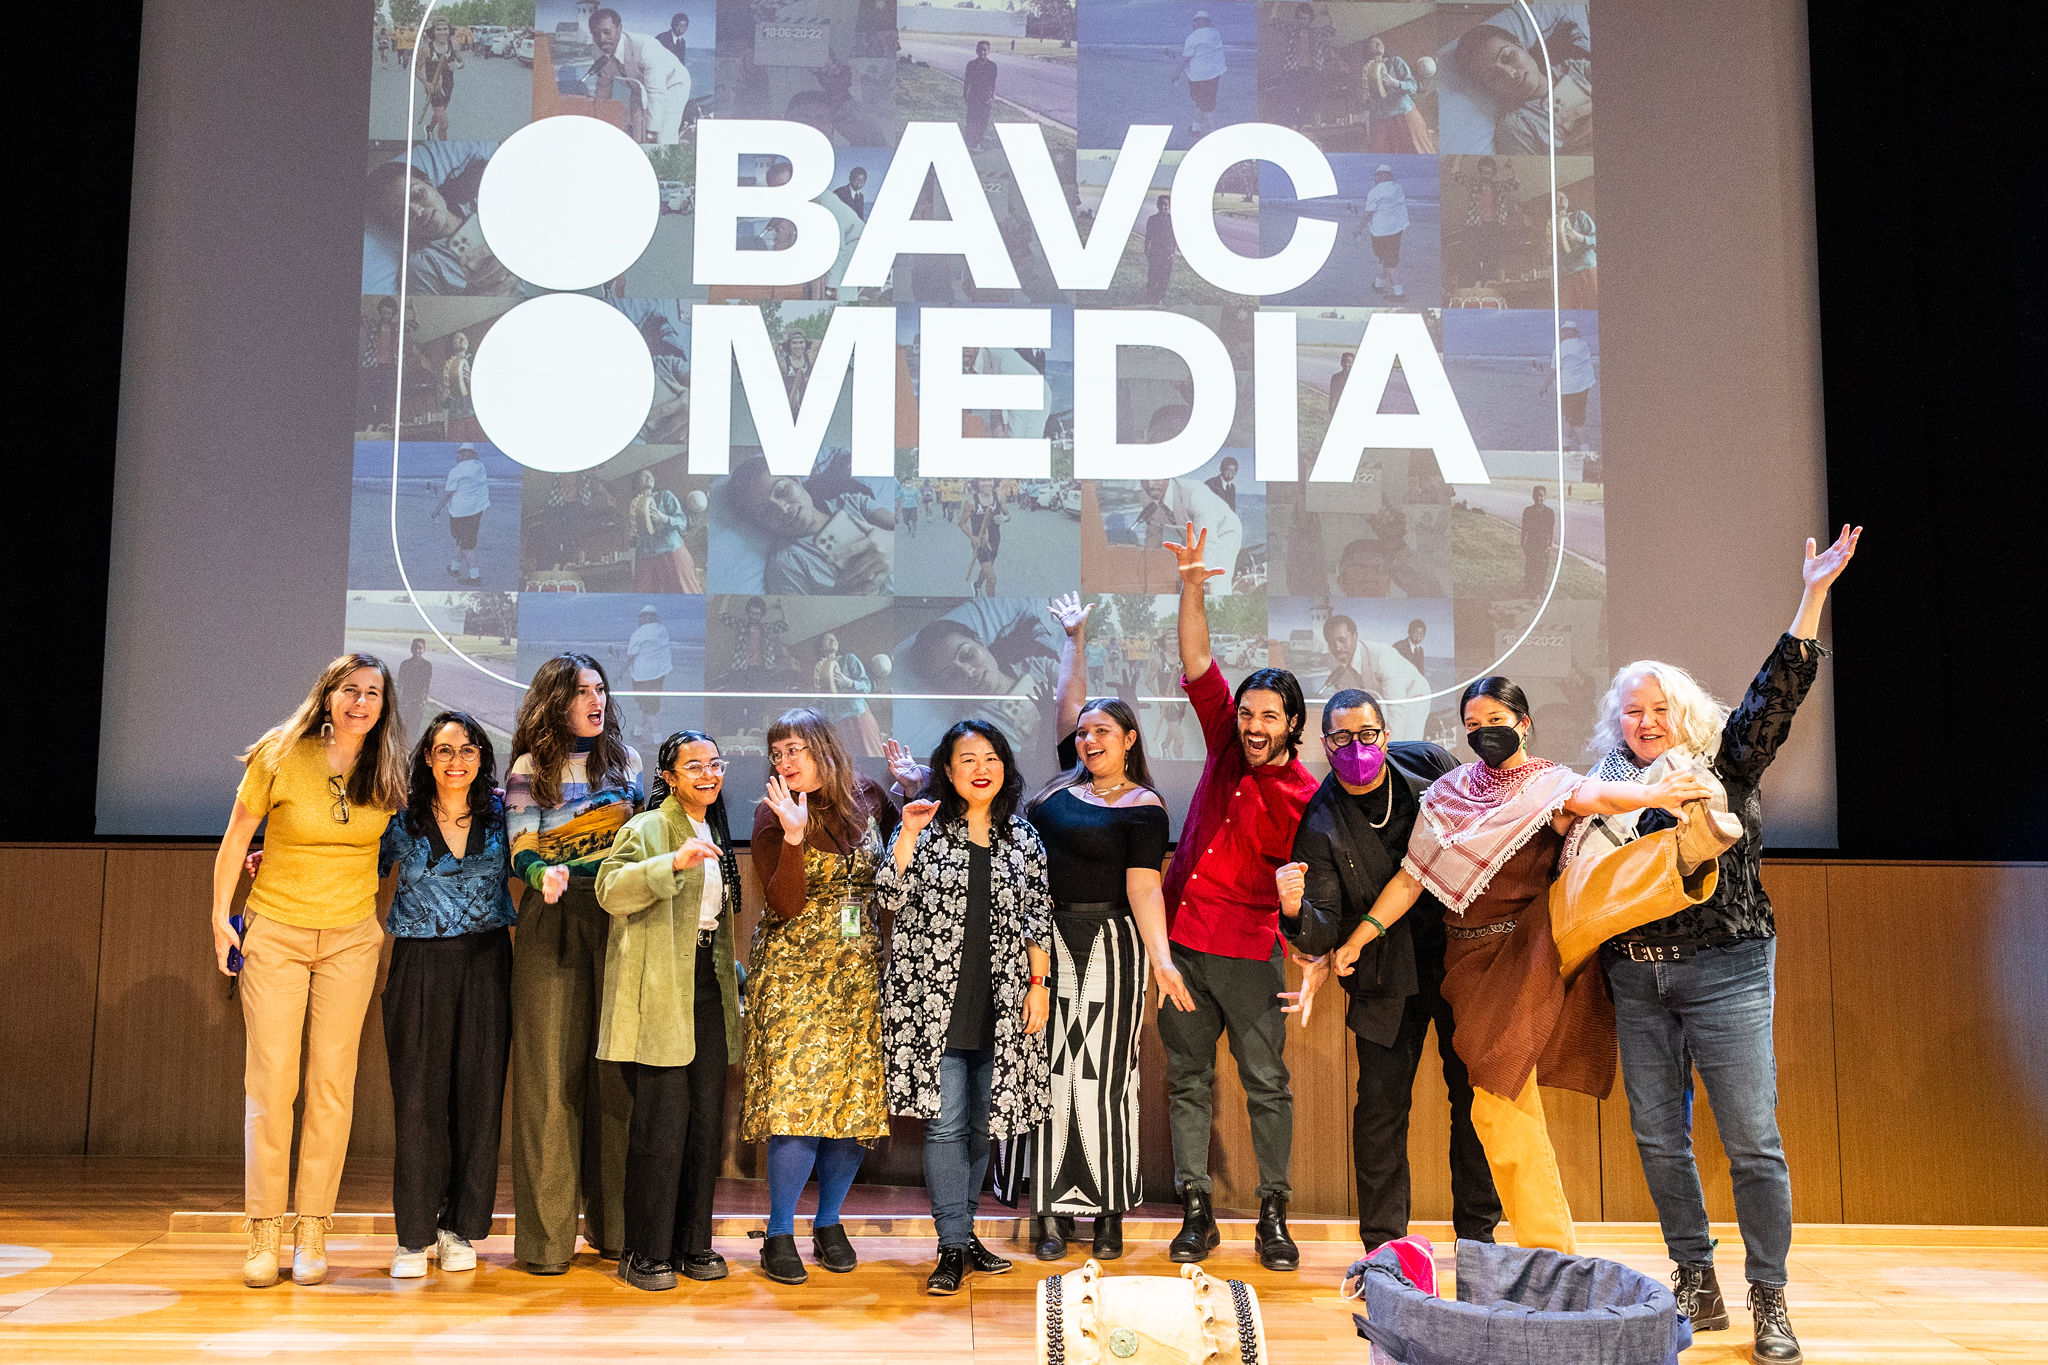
(956, 1142)
(1711, 1011)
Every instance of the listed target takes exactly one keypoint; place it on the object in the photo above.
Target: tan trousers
(313, 984)
(1525, 1173)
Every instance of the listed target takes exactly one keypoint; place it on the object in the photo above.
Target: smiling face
(1262, 726)
(1646, 722)
(975, 771)
(354, 707)
(1507, 71)
(452, 757)
(697, 777)
(679, 25)
(1104, 745)
(793, 762)
(587, 708)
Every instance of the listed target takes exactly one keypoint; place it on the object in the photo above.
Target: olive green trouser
(570, 1112)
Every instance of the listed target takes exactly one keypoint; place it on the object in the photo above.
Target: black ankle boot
(1053, 1232)
(1774, 1343)
(833, 1251)
(1276, 1249)
(780, 1262)
(983, 1260)
(1198, 1235)
(950, 1273)
(1109, 1236)
(1699, 1297)
(645, 1274)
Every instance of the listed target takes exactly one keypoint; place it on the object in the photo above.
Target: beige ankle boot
(309, 1249)
(259, 1262)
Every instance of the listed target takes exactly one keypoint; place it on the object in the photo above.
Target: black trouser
(1379, 1128)
(678, 1136)
(447, 1029)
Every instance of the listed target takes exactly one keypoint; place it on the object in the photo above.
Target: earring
(327, 732)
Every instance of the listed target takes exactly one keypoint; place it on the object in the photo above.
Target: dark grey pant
(1239, 996)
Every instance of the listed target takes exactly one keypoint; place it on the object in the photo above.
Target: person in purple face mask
(1350, 844)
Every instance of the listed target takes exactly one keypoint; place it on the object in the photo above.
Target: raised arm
(1615, 798)
(1819, 573)
(1073, 689)
(1194, 611)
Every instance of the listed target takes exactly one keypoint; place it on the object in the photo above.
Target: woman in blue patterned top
(448, 999)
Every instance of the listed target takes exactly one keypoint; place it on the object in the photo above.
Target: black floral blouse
(929, 903)
(1739, 909)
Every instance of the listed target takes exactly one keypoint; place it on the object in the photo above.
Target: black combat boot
(1198, 1235)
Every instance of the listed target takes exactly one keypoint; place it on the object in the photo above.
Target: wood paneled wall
(1912, 1039)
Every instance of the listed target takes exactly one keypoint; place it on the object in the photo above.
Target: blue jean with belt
(956, 1143)
(1711, 1011)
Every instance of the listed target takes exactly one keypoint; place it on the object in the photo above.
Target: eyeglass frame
(701, 767)
(337, 787)
(442, 753)
(1344, 739)
(796, 749)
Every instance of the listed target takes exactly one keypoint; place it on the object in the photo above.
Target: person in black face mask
(1486, 847)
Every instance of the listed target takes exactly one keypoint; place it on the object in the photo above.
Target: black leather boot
(1053, 1232)
(1276, 1249)
(1774, 1343)
(1699, 1297)
(645, 1274)
(1198, 1235)
(1109, 1236)
(950, 1273)
(833, 1251)
(984, 1260)
(704, 1265)
(780, 1262)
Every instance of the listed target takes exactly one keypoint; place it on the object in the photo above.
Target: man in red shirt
(1223, 911)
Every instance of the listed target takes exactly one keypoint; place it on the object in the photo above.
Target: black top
(1393, 802)
(973, 1022)
(1739, 909)
(1089, 847)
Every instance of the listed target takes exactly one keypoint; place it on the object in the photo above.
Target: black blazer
(1348, 867)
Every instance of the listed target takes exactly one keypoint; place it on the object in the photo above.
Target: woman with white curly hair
(1696, 989)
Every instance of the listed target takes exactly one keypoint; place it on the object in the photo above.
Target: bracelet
(1376, 924)
(1037, 981)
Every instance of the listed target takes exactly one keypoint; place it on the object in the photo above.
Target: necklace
(1381, 823)
(1114, 788)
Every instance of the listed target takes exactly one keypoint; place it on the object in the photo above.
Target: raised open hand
(1823, 568)
(904, 767)
(918, 814)
(791, 808)
(1072, 616)
(1187, 557)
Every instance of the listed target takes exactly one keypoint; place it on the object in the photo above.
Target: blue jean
(1711, 1011)
(956, 1142)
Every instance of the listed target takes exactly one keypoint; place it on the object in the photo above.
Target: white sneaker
(409, 1263)
(454, 1253)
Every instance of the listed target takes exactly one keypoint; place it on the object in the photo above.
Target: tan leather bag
(1085, 1319)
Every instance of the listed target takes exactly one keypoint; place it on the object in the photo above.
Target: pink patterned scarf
(1475, 818)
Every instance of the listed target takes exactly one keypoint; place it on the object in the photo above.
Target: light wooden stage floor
(91, 1270)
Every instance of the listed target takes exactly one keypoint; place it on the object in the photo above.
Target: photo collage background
(858, 594)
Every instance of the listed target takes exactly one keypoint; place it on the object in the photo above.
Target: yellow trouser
(1524, 1166)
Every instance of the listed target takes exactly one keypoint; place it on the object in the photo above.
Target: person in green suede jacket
(670, 1013)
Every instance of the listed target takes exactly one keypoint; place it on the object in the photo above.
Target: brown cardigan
(782, 879)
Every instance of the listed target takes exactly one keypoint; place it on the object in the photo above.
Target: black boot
(1276, 1249)
(984, 1260)
(950, 1273)
(833, 1251)
(1109, 1236)
(780, 1262)
(644, 1274)
(1699, 1297)
(1053, 1232)
(1774, 1343)
(1198, 1235)
(705, 1265)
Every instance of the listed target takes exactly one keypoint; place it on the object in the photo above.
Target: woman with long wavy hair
(448, 995)
(573, 785)
(813, 1061)
(323, 783)
(1104, 829)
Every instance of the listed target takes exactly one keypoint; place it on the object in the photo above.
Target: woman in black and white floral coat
(966, 990)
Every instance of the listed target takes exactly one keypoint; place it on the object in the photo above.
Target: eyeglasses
(788, 751)
(1342, 739)
(468, 753)
(338, 789)
(701, 768)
